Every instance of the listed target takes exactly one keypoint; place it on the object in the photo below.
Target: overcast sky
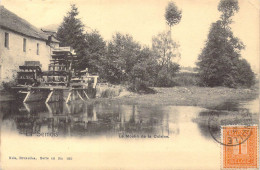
(145, 18)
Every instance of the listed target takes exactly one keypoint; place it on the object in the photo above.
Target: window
(7, 40)
(38, 49)
(24, 45)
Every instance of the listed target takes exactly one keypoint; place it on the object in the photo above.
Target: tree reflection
(211, 121)
(84, 119)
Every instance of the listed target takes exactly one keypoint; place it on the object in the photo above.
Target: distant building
(20, 41)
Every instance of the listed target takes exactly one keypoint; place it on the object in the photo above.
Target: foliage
(123, 60)
(186, 79)
(166, 75)
(108, 93)
(71, 32)
(7, 86)
(220, 61)
(140, 86)
(172, 14)
(146, 69)
(127, 62)
(218, 58)
(246, 76)
(228, 9)
(164, 48)
(122, 54)
(89, 47)
(96, 49)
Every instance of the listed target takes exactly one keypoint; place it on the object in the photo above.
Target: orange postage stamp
(240, 147)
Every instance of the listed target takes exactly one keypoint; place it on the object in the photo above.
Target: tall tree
(172, 14)
(220, 60)
(165, 49)
(228, 9)
(145, 71)
(71, 32)
(122, 55)
(246, 76)
(96, 50)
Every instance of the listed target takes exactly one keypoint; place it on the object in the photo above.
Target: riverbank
(6, 96)
(187, 96)
(179, 96)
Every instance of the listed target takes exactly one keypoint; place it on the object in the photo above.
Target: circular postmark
(230, 128)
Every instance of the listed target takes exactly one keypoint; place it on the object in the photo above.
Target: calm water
(187, 130)
(81, 119)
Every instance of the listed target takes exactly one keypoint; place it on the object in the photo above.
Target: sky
(145, 19)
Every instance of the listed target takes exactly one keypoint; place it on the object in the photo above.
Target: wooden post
(68, 98)
(80, 96)
(27, 96)
(49, 97)
(85, 94)
(72, 95)
(27, 107)
(49, 108)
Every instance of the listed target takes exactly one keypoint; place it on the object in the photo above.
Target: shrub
(140, 86)
(166, 76)
(108, 93)
(8, 85)
(186, 79)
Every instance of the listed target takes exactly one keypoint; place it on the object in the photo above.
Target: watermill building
(20, 41)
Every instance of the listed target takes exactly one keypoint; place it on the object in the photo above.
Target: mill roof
(11, 21)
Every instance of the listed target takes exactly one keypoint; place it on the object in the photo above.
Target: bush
(140, 87)
(186, 79)
(166, 76)
(165, 80)
(108, 93)
(8, 85)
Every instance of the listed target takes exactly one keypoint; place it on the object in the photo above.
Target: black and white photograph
(128, 84)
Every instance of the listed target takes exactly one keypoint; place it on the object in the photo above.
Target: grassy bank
(5, 96)
(180, 96)
(188, 96)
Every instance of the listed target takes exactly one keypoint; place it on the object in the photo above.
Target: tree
(219, 63)
(172, 14)
(165, 77)
(122, 55)
(228, 9)
(71, 32)
(145, 71)
(95, 47)
(246, 76)
(165, 49)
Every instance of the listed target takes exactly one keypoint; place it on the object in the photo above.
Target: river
(185, 133)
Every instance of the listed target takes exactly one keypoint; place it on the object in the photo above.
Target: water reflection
(111, 119)
(187, 127)
(211, 121)
(83, 119)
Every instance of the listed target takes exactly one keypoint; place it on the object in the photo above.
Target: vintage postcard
(129, 84)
